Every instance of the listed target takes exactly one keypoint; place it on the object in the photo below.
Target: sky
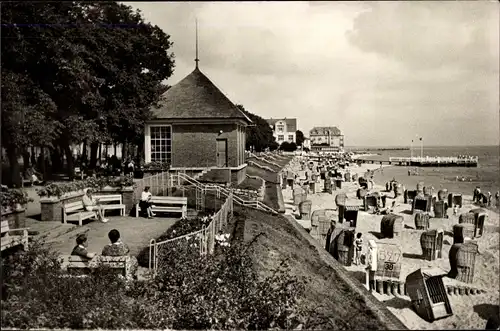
(382, 72)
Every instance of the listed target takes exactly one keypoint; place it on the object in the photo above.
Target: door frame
(226, 161)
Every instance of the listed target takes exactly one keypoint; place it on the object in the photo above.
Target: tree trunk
(84, 150)
(26, 159)
(114, 146)
(140, 152)
(54, 158)
(124, 151)
(100, 153)
(14, 168)
(70, 169)
(93, 155)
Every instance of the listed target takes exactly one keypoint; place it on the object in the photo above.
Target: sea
(486, 175)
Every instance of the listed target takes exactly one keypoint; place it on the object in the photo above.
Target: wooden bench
(9, 240)
(166, 205)
(73, 263)
(76, 212)
(111, 201)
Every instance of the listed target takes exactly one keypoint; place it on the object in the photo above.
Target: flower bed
(55, 195)
(13, 207)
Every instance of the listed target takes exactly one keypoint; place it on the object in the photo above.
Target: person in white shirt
(145, 202)
(92, 204)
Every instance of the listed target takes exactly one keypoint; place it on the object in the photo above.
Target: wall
(194, 145)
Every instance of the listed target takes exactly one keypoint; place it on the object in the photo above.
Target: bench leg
(137, 210)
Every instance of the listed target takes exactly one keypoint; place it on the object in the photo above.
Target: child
(359, 247)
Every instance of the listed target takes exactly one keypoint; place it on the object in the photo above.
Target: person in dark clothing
(81, 247)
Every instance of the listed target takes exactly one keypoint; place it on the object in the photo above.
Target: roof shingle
(195, 96)
(325, 130)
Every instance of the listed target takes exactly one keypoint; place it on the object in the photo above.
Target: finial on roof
(196, 59)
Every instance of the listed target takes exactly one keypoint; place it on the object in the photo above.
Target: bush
(220, 291)
(12, 197)
(58, 189)
(181, 227)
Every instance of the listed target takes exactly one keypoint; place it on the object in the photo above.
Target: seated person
(81, 247)
(145, 203)
(91, 204)
(118, 248)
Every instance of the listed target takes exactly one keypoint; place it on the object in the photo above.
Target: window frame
(153, 145)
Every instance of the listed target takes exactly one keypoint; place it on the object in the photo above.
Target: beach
(469, 311)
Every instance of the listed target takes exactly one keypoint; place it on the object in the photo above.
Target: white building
(283, 129)
(326, 137)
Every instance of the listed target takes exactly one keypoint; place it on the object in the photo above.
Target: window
(281, 137)
(161, 143)
(290, 138)
(280, 127)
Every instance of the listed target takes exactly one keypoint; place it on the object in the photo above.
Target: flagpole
(421, 147)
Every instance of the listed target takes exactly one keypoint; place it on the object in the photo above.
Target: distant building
(326, 138)
(283, 129)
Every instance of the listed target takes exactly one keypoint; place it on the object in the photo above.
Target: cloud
(379, 71)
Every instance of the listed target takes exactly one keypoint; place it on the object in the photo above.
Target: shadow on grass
(360, 276)
(407, 212)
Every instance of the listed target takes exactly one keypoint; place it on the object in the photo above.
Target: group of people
(116, 248)
(485, 199)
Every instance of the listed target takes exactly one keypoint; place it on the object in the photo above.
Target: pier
(437, 161)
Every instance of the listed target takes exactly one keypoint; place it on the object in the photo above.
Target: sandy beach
(469, 311)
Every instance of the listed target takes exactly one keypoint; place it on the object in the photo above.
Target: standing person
(359, 247)
(81, 247)
(497, 198)
(92, 204)
(131, 168)
(145, 203)
(489, 199)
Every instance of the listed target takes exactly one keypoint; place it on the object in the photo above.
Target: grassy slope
(250, 184)
(325, 286)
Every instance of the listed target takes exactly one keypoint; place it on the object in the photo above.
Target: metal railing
(200, 242)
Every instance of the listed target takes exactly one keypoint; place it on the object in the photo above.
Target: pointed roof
(291, 123)
(196, 97)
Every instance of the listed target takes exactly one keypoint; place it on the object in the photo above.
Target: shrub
(58, 189)
(156, 165)
(12, 197)
(181, 227)
(219, 291)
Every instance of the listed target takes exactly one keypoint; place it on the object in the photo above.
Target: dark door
(221, 153)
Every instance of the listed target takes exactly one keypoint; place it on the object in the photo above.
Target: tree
(100, 64)
(299, 138)
(260, 136)
(288, 147)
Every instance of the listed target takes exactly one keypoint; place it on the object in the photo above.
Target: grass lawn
(250, 184)
(265, 164)
(327, 291)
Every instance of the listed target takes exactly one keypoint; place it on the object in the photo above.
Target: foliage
(299, 138)
(58, 189)
(12, 197)
(259, 136)
(156, 165)
(92, 74)
(182, 227)
(288, 147)
(219, 291)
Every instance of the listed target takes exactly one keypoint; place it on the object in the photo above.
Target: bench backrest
(5, 226)
(74, 261)
(73, 207)
(109, 198)
(170, 200)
